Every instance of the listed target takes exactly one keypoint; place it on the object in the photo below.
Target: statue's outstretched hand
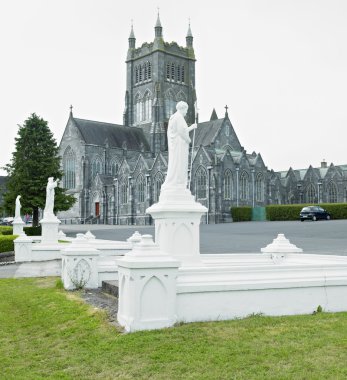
(193, 126)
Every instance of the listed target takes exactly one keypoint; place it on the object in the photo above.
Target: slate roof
(97, 133)
(206, 132)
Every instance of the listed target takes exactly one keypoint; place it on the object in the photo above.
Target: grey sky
(281, 67)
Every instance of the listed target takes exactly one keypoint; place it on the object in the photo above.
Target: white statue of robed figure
(51, 185)
(18, 207)
(178, 144)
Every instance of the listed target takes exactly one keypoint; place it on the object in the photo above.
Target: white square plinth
(177, 229)
(50, 233)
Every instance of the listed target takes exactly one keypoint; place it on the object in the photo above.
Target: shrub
(336, 210)
(283, 212)
(6, 243)
(32, 231)
(241, 214)
(6, 230)
(292, 212)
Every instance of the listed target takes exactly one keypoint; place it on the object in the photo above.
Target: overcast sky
(280, 66)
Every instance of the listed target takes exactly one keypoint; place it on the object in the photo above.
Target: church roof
(98, 133)
(207, 131)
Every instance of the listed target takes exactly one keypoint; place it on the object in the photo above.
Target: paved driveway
(323, 237)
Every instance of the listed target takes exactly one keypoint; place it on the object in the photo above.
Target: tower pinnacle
(158, 28)
(189, 37)
(132, 39)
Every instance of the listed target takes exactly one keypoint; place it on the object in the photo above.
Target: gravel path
(97, 298)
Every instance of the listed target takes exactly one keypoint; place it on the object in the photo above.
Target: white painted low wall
(296, 285)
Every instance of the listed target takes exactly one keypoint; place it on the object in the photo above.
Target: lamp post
(319, 184)
(299, 186)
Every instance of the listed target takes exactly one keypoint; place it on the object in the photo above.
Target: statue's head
(182, 107)
(50, 179)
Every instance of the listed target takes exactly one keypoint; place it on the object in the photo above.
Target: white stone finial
(281, 245)
(146, 248)
(61, 234)
(88, 235)
(134, 238)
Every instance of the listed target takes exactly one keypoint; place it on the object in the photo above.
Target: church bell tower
(159, 74)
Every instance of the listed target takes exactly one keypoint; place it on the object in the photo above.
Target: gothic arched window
(259, 188)
(172, 71)
(170, 103)
(182, 75)
(332, 193)
(228, 184)
(140, 188)
(136, 74)
(181, 96)
(69, 165)
(123, 190)
(145, 71)
(244, 186)
(140, 73)
(138, 109)
(147, 106)
(158, 181)
(178, 73)
(96, 167)
(114, 168)
(201, 183)
(310, 193)
(167, 71)
(149, 70)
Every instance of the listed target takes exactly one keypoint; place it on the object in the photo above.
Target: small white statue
(178, 144)
(51, 185)
(18, 207)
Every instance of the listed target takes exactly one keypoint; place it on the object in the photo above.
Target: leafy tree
(33, 161)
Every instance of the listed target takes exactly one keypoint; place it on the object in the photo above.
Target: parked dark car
(314, 213)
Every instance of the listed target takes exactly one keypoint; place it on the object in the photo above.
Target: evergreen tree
(33, 161)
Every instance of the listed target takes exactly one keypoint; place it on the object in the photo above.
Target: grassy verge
(47, 333)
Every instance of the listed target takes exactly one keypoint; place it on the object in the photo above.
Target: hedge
(6, 230)
(32, 231)
(6, 243)
(283, 212)
(292, 212)
(336, 210)
(241, 214)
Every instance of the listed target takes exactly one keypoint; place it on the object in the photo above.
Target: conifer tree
(34, 160)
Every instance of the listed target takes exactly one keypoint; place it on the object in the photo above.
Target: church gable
(218, 132)
(259, 163)
(311, 175)
(160, 164)
(201, 157)
(71, 132)
(333, 172)
(141, 165)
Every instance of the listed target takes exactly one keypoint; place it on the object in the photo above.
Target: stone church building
(116, 171)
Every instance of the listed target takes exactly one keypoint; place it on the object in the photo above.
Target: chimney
(323, 164)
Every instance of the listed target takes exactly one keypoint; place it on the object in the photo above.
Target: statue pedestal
(177, 225)
(49, 226)
(18, 226)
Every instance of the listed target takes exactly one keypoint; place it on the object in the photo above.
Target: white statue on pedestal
(51, 185)
(178, 144)
(18, 207)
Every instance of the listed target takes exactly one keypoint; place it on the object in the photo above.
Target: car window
(305, 209)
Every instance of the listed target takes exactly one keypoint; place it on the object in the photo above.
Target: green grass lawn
(48, 333)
